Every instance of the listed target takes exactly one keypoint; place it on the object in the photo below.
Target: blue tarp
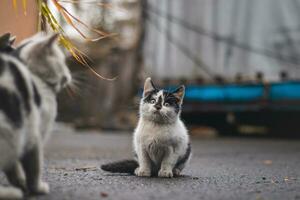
(285, 91)
(224, 93)
(243, 92)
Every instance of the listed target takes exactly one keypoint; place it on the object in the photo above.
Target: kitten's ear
(179, 93)
(148, 86)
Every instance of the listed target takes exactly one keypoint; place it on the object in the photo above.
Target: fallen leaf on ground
(83, 168)
(86, 168)
(103, 194)
(268, 162)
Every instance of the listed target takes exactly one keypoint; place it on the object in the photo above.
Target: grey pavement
(226, 168)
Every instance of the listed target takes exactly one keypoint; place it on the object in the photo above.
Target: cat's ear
(148, 86)
(44, 44)
(12, 40)
(50, 40)
(5, 40)
(179, 93)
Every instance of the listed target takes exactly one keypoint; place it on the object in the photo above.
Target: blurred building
(99, 102)
(208, 38)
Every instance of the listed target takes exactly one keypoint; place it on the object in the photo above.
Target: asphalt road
(230, 168)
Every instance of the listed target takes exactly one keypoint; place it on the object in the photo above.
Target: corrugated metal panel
(192, 38)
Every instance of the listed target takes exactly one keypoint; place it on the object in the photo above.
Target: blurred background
(239, 60)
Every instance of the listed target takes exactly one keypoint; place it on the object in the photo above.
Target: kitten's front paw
(41, 189)
(165, 173)
(142, 172)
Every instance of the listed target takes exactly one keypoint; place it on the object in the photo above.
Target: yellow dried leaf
(24, 3)
(15, 5)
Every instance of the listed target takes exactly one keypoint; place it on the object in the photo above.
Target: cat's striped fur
(30, 77)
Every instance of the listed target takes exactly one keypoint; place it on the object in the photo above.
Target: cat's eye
(166, 104)
(152, 101)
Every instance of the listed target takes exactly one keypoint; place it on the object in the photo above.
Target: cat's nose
(157, 106)
(64, 81)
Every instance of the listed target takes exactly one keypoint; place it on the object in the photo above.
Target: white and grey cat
(30, 78)
(161, 142)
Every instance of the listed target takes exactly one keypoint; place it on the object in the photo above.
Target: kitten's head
(161, 106)
(45, 59)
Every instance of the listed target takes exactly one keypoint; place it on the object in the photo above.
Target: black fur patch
(169, 98)
(186, 156)
(6, 42)
(7, 49)
(37, 96)
(158, 104)
(10, 104)
(148, 98)
(123, 166)
(172, 101)
(2, 66)
(21, 85)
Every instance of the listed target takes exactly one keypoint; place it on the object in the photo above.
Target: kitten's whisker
(166, 117)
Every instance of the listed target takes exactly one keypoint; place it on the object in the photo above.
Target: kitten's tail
(123, 166)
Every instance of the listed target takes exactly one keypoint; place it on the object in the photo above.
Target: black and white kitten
(161, 142)
(30, 78)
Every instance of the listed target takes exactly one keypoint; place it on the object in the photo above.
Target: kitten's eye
(166, 104)
(152, 101)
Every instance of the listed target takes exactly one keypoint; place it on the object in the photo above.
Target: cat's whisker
(82, 85)
(85, 82)
(70, 92)
(81, 76)
(79, 79)
(81, 88)
(75, 89)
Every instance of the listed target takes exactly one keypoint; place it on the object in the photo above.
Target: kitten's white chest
(149, 133)
(154, 139)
